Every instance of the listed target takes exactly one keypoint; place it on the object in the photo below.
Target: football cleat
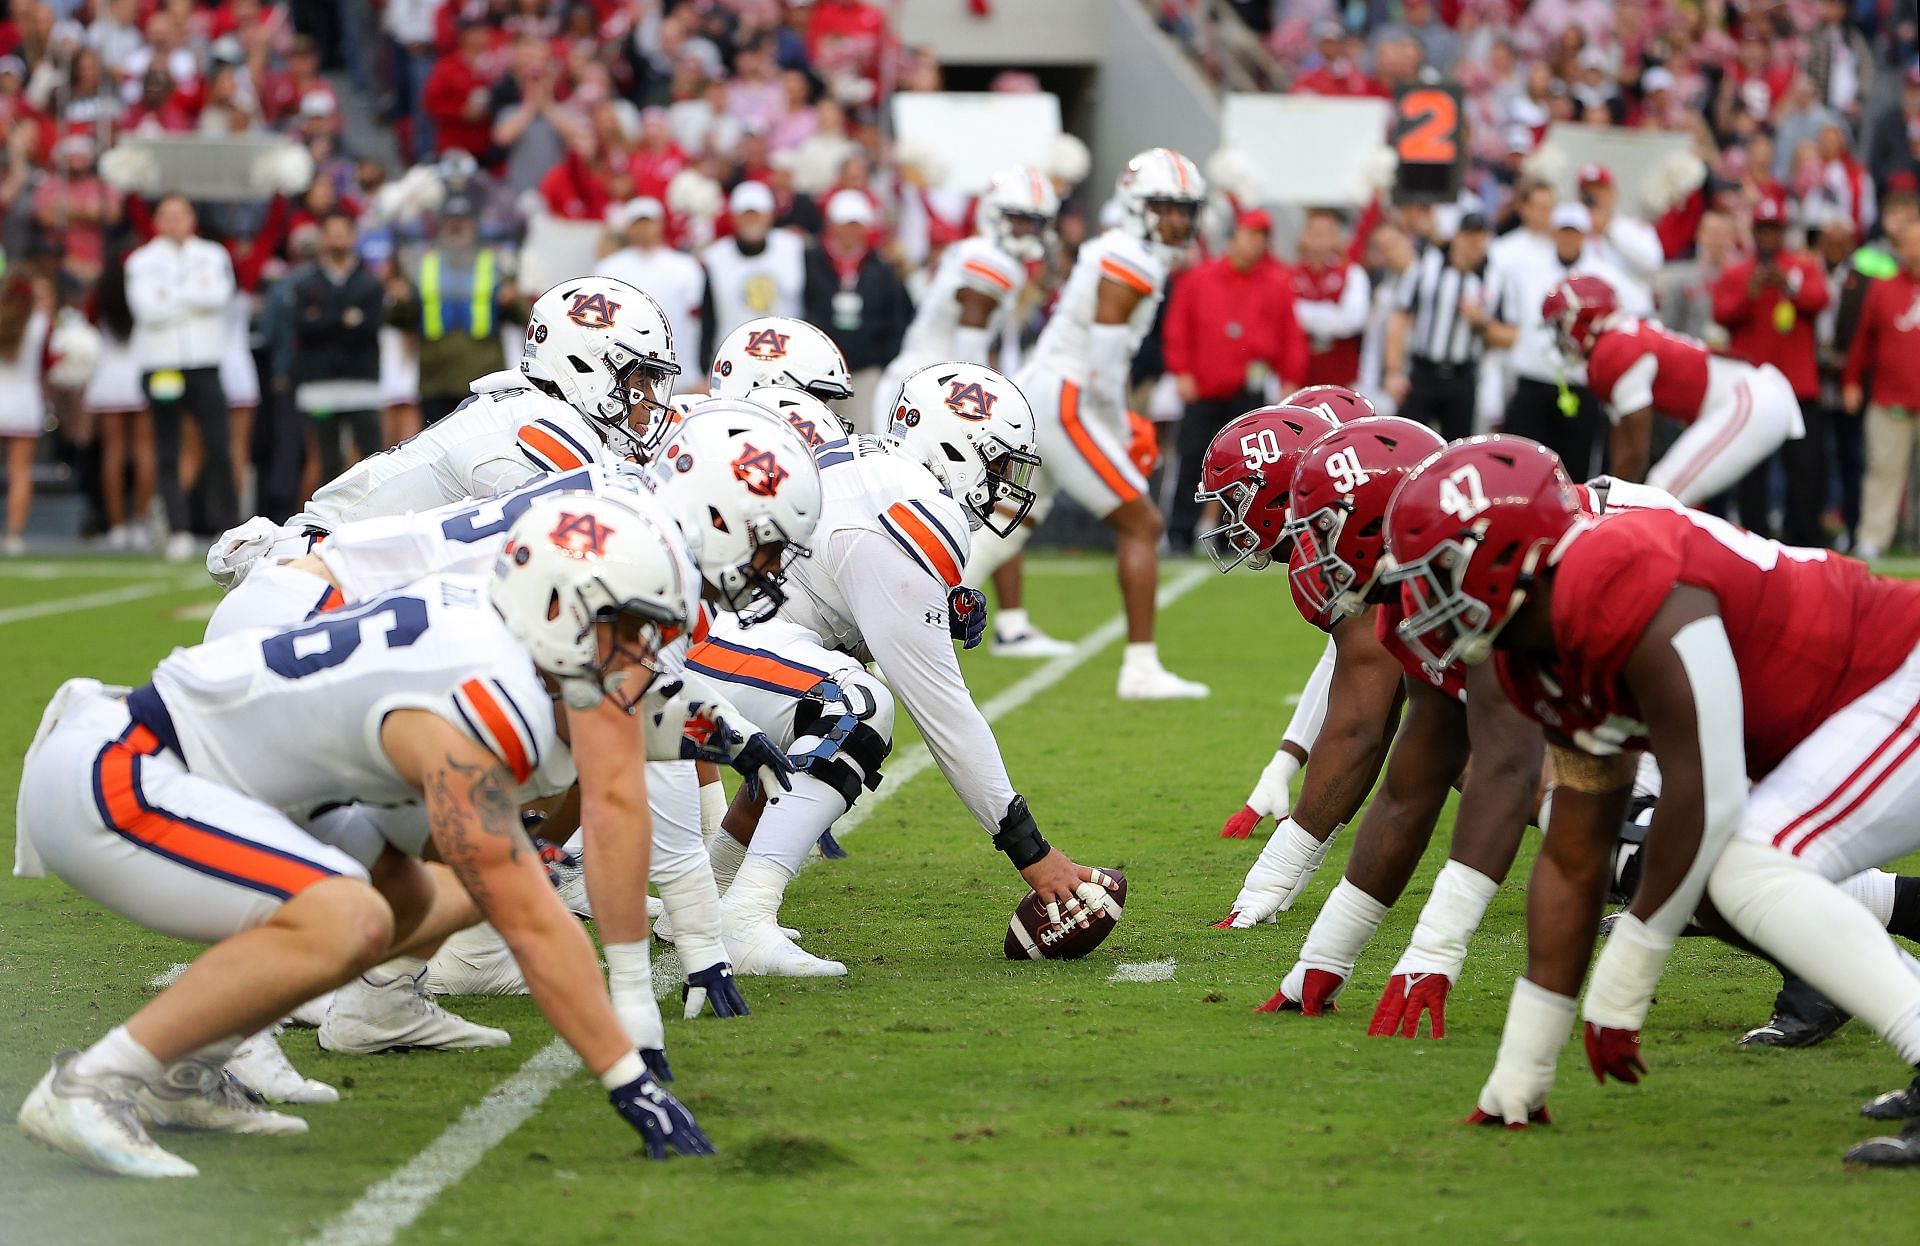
(1802, 1017)
(261, 1067)
(1311, 996)
(1896, 1105)
(1140, 682)
(760, 950)
(475, 961)
(310, 1014)
(194, 1094)
(399, 1015)
(1032, 644)
(1901, 1150)
(94, 1120)
(1407, 996)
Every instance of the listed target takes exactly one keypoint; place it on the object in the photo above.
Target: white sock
(1011, 622)
(1346, 921)
(724, 855)
(1874, 889)
(1452, 913)
(118, 1055)
(713, 808)
(1146, 654)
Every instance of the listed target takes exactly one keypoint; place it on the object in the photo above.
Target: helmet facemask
(1322, 580)
(1158, 217)
(1234, 541)
(755, 588)
(634, 416)
(1029, 245)
(632, 644)
(1004, 496)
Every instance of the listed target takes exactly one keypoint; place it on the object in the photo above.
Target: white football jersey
(499, 439)
(1113, 256)
(292, 717)
(975, 263)
(375, 556)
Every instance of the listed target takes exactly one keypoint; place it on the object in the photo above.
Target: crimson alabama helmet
(1466, 533)
(1336, 402)
(1247, 469)
(1577, 309)
(1339, 506)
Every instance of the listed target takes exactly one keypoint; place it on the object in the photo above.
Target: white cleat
(475, 961)
(260, 1066)
(570, 880)
(94, 1121)
(310, 1014)
(1032, 643)
(1157, 683)
(662, 922)
(396, 1015)
(759, 949)
(194, 1094)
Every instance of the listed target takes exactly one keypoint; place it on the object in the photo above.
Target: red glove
(1616, 1052)
(1241, 824)
(1536, 1117)
(1143, 444)
(1316, 991)
(1406, 997)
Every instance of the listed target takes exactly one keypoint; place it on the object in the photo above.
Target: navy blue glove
(661, 1120)
(714, 986)
(967, 616)
(761, 753)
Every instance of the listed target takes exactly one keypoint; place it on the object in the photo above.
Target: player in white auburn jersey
(1077, 380)
(882, 586)
(599, 367)
(977, 283)
(780, 350)
(172, 805)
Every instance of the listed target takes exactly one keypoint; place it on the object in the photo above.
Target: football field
(941, 1093)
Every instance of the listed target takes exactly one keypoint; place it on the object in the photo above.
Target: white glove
(1270, 797)
(234, 553)
(1538, 1023)
(1285, 867)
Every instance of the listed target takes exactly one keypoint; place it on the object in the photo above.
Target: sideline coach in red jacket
(1229, 330)
(1767, 304)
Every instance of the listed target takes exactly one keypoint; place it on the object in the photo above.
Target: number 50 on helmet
(1248, 470)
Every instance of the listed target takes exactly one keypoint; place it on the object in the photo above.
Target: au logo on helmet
(582, 536)
(767, 344)
(970, 400)
(759, 471)
(592, 311)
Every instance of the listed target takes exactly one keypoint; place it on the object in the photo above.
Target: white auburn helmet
(605, 349)
(1157, 176)
(812, 419)
(736, 479)
(974, 431)
(572, 560)
(780, 350)
(1018, 194)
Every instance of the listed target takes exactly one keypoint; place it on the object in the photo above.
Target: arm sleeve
(901, 610)
(1110, 360)
(494, 476)
(1638, 246)
(1634, 390)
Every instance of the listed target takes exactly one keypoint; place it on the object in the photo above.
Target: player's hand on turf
(662, 1121)
(1514, 1102)
(1069, 891)
(1240, 825)
(967, 616)
(1286, 865)
(1407, 997)
(1309, 992)
(1614, 1051)
(713, 985)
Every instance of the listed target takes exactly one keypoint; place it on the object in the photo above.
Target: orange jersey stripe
(332, 601)
(1125, 276)
(501, 728)
(752, 666)
(989, 275)
(928, 542)
(1083, 441)
(174, 837)
(550, 448)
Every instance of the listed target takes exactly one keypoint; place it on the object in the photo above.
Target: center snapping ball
(1030, 936)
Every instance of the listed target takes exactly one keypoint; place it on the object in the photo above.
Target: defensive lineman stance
(1076, 381)
(167, 804)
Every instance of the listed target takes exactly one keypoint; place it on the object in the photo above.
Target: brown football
(1031, 937)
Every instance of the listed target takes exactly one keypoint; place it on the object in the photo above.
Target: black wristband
(1019, 836)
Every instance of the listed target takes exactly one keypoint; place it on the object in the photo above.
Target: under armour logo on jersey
(759, 471)
(582, 536)
(970, 401)
(767, 344)
(592, 311)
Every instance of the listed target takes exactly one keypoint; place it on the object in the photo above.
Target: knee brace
(843, 732)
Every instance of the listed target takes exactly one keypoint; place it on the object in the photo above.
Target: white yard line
(1146, 971)
(93, 601)
(382, 1213)
(87, 569)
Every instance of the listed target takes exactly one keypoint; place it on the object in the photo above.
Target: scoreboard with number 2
(1429, 138)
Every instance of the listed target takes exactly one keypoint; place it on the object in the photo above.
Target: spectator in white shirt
(180, 287)
(1629, 244)
(674, 278)
(760, 270)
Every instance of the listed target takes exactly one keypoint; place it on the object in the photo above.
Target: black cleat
(1902, 1150)
(1896, 1105)
(1802, 1017)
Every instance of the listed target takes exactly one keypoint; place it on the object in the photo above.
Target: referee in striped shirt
(1437, 332)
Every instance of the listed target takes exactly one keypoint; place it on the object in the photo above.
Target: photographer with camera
(1768, 304)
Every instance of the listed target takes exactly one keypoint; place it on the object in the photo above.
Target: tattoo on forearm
(467, 803)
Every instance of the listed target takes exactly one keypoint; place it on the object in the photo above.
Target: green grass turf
(941, 1093)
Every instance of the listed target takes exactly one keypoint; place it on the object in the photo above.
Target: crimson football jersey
(1678, 385)
(1386, 625)
(1810, 631)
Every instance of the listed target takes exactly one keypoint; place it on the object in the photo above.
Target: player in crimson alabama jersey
(1736, 414)
(1735, 661)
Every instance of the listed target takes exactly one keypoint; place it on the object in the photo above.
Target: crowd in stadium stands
(744, 136)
